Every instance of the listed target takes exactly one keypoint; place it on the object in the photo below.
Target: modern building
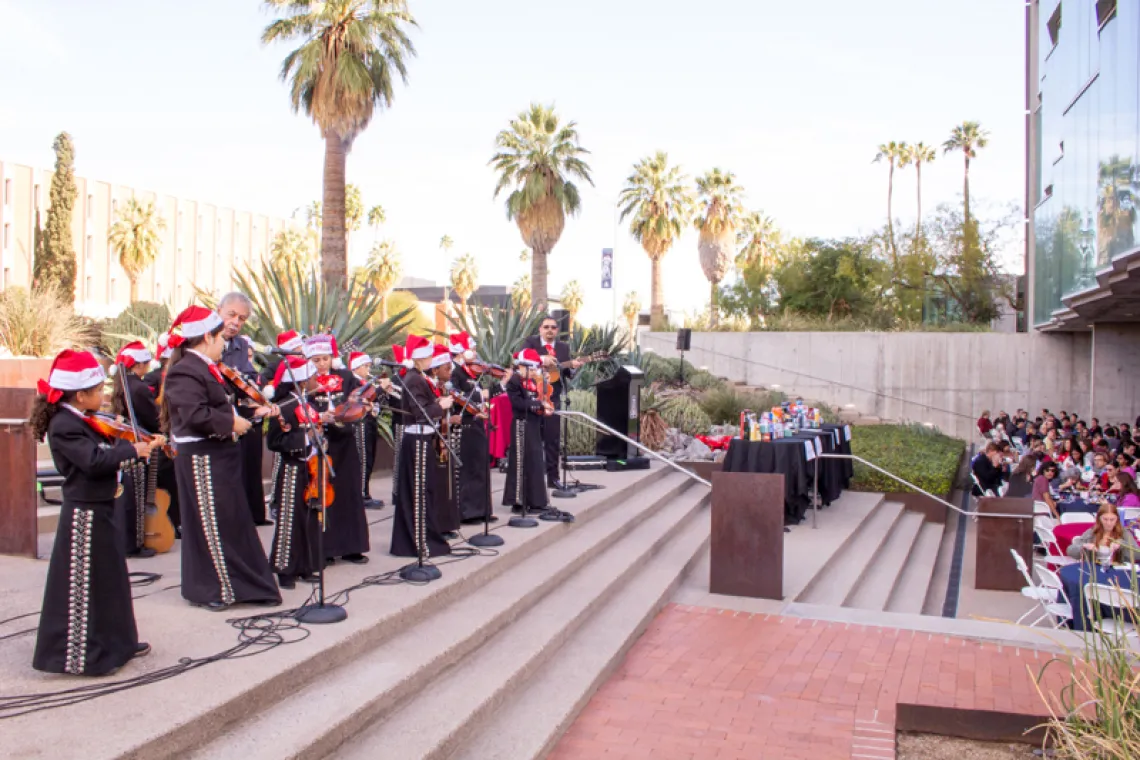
(1083, 188)
(202, 243)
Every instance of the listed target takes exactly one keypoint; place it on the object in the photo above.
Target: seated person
(1021, 479)
(984, 424)
(988, 470)
(1107, 542)
(1127, 494)
(1041, 487)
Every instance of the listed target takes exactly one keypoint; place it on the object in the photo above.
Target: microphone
(285, 352)
(386, 363)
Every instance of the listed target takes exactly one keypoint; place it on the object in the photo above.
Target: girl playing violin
(473, 480)
(87, 624)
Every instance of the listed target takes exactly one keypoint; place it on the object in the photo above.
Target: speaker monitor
(684, 339)
(619, 407)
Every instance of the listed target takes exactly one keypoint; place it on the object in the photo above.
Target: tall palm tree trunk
(918, 226)
(334, 242)
(538, 272)
(134, 289)
(966, 194)
(656, 303)
(383, 306)
(714, 310)
(890, 215)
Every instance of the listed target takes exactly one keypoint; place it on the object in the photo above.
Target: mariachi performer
(290, 342)
(398, 417)
(87, 622)
(130, 507)
(526, 471)
(223, 562)
(414, 529)
(153, 379)
(294, 553)
(367, 431)
(474, 473)
(346, 525)
(445, 505)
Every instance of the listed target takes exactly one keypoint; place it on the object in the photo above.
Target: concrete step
(349, 695)
(882, 573)
(444, 715)
(529, 724)
(842, 572)
(913, 586)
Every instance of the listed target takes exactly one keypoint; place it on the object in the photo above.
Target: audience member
(1127, 494)
(1107, 541)
(1041, 486)
(984, 424)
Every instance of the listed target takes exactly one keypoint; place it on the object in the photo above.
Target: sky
(793, 97)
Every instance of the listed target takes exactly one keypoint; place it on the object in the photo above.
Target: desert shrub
(41, 322)
(580, 437)
(142, 320)
(920, 455)
(685, 414)
(724, 403)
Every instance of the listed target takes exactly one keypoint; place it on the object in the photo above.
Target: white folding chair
(1041, 508)
(1070, 518)
(1124, 599)
(985, 492)
(1044, 519)
(1129, 513)
(1045, 597)
(1061, 612)
(1053, 554)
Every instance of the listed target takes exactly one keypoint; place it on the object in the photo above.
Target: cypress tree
(57, 262)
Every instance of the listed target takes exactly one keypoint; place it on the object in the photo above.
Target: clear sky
(791, 95)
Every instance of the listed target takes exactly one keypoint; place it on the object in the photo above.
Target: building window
(178, 289)
(7, 192)
(90, 204)
(114, 206)
(7, 275)
(112, 288)
(1054, 26)
(7, 235)
(88, 289)
(1105, 12)
(89, 246)
(36, 197)
(158, 292)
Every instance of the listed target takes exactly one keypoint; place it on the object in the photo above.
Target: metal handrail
(654, 454)
(964, 513)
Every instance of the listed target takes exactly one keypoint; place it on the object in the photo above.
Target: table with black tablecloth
(842, 433)
(785, 456)
(833, 473)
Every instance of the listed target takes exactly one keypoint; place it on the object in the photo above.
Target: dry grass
(41, 322)
(934, 747)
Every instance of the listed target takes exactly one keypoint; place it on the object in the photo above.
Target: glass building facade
(1086, 151)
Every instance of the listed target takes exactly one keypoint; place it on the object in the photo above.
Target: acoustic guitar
(554, 374)
(158, 529)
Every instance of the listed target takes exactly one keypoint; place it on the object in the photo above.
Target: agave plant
(142, 321)
(499, 331)
(298, 300)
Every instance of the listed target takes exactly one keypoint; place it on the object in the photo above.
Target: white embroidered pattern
(419, 496)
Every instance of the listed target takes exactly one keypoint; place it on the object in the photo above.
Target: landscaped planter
(23, 372)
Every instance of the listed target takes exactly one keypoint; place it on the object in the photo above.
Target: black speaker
(619, 407)
(563, 318)
(684, 339)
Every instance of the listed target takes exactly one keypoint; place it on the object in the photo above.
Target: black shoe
(178, 533)
(142, 649)
(267, 602)
(310, 577)
(262, 523)
(144, 552)
(449, 535)
(517, 510)
(286, 581)
(356, 559)
(213, 606)
(371, 503)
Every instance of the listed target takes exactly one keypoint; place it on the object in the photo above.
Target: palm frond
(499, 331)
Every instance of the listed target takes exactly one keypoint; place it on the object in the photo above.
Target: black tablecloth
(786, 456)
(831, 479)
(844, 435)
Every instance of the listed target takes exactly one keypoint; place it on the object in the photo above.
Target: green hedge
(920, 455)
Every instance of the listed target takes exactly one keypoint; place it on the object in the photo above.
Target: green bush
(580, 437)
(920, 455)
(142, 320)
(724, 403)
(685, 414)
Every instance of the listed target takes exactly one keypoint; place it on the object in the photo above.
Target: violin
(487, 368)
(109, 426)
(251, 391)
(545, 394)
(313, 490)
(462, 402)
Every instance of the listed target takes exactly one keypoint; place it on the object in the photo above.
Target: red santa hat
(299, 370)
(440, 356)
(71, 371)
(418, 347)
(358, 359)
(320, 345)
(193, 322)
(290, 340)
(528, 357)
(133, 353)
(164, 349)
(337, 362)
(461, 342)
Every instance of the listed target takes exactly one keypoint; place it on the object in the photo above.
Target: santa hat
(337, 362)
(460, 343)
(399, 357)
(164, 349)
(193, 322)
(418, 347)
(356, 360)
(528, 357)
(133, 353)
(71, 371)
(440, 356)
(299, 370)
(320, 345)
(290, 340)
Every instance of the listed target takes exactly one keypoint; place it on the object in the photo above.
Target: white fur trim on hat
(360, 361)
(63, 380)
(318, 345)
(201, 327)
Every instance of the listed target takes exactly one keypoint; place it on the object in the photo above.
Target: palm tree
(520, 293)
(134, 237)
(376, 217)
(572, 298)
(917, 154)
(966, 137)
(465, 278)
(445, 243)
(536, 157)
(759, 239)
(383, 271)
(720, 194)
(313, 216)
(891, 152)
(657, 195)
(291, 248)
(630, 309)
(343, 70)
(353, 211)
(524, 255)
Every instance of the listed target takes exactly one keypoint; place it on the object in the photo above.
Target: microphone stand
(321, 612)
(140, 540)
(485, 538)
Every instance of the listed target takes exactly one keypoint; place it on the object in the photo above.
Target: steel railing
(598, 424)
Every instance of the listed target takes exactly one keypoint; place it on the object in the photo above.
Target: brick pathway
(706, 683)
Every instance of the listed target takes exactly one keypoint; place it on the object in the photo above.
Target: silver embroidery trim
(520, 447)
(358, 433)
(139, 475)
(204, 487)
(398, 440)
(285, 517)
(273, 478)
(419, 498)
(79, 591)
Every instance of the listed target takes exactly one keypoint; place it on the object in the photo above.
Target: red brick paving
(705, 684)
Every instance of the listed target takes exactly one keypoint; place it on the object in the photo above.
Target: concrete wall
(1116, 371)
(942, 378)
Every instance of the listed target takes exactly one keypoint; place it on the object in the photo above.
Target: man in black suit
(553, 353)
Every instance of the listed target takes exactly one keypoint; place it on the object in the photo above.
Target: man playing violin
(234, 309)
(552, 352)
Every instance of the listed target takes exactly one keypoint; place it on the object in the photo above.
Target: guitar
(158, 531)
(554, 374)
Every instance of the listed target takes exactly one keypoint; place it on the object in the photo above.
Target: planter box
(23, 373)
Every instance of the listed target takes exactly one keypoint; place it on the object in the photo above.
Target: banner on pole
(607, 268)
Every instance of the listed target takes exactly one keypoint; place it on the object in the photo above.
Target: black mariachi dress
(526, 472)
(414, 525)
(294, 550)
(346, 525)
(223, 561)
(87, 624)
(474, 473)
